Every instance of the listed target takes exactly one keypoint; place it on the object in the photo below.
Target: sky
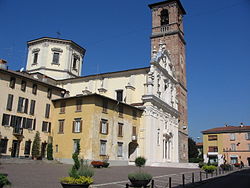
(116, 36)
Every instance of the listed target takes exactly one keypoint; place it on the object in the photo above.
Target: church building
(158, 92)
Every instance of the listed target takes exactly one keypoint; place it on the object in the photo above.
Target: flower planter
(139, 183)
(65, 185)
(97, 164)
(105, 165)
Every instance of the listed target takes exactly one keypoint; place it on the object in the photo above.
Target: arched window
(164, 17)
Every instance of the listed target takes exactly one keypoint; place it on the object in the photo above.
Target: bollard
(152, 183)
(192, 178)
(183, 180)
(216, 172)
(219, 171)
(200, 176)
(206, 175)
(212, 174)
(169, 182)
(127, 185)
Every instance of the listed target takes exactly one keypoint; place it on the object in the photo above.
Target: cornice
(157, 35)
(160, 103)
(44, 68)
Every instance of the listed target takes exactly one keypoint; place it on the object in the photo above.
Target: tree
(192, 149)
(36, 146)
(50, 151)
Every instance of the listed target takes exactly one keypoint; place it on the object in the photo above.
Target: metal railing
(186, 179)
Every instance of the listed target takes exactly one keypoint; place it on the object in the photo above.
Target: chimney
(3, 64)
(241, 124)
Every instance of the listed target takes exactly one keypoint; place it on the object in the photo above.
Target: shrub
(80, 180)
(36, 146)
(195, 160)
(209, 168)
(225, 167)
(80, 172)
(140, 161)
(201, 164)
(4, 180)
(76, 160)
(140, 176)
(50, 151)
(85, 170)
(214, 164)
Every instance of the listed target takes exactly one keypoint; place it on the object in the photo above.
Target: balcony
(157, 31)
(17, 131)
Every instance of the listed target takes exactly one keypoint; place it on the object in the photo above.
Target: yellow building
(103, 127)
(26, 102)
(212, 147)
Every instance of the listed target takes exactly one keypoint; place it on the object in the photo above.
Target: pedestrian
(241, 164)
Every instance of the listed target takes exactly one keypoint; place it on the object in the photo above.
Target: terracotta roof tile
(244, 128)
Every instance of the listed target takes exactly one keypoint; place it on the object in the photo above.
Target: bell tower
(167, 27)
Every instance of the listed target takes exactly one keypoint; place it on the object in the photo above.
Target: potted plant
(105, 161)
(80, 175)
(139, 179)
(4, 180)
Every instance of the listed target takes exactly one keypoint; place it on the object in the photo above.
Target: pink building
(232, 144)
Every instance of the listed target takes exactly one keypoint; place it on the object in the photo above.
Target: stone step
(176, 165)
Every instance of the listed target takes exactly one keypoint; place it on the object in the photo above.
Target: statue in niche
(154, 55)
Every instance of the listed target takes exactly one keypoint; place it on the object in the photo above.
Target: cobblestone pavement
(40, 174)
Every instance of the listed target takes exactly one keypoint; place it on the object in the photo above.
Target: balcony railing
(166, 29)
(17, 131)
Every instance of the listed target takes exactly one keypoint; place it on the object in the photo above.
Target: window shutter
(9, 102)
(100, 126)
(34, 124)
(107, 128)
(49, 129)
(19, 107)
(73, 127)
(80, 126)
(47, 110)
(24, 124)
(33, 109)
(26, 106)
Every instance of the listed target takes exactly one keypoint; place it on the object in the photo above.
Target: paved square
(43, 175)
